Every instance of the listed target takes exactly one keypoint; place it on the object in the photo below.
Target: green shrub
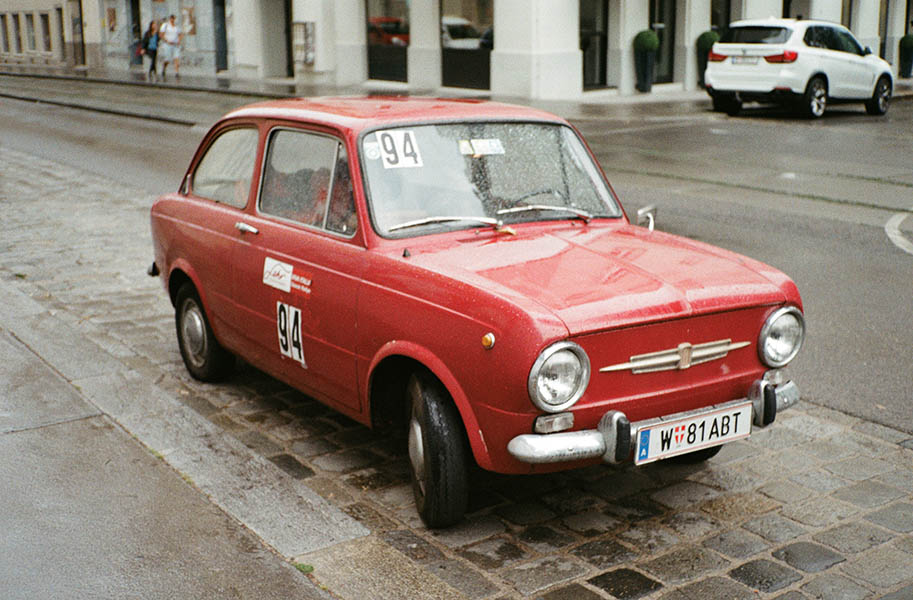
(646, 41)
(706, 40)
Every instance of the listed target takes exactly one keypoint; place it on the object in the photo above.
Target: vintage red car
(464, 269)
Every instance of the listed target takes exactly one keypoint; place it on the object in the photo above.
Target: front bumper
(612, 440)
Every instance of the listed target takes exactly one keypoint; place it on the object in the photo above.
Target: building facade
(537, 49)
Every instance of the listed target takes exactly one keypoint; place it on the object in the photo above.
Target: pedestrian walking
(150, 45)
(171, 37)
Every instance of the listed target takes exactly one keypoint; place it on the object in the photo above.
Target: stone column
(349, 57)
(537, 49)
(865, 23)
(692, 19)
(825, 10)
(245, 35)
(761, 9)
(424, 54)
(630, 17)
(897, 27)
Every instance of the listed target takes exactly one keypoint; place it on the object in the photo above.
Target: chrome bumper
(613, 438)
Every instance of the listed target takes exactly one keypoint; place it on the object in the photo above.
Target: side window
(813, 38)
(848, 43)
(225, 172)
(306, 180)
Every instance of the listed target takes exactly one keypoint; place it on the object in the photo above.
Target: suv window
(225, 171)
(756, 34)
(306, 180)
(846, 42)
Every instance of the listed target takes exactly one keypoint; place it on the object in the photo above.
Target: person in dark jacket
(150, 46)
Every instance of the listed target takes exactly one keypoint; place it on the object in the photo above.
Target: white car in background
(805, 64)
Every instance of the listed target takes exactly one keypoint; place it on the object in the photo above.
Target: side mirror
(866, 51)
(646, 216)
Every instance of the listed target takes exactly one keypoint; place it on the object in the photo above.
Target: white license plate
(689, 433)
(744, 60)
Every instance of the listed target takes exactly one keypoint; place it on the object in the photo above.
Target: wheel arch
(386, 386)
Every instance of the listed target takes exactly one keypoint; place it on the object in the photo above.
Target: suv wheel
(728, 104)
(878, 105)
(815, 99)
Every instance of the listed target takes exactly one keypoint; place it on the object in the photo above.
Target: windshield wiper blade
(497, 224)
(531, 207)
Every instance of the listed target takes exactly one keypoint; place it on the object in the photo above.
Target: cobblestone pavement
(818, 506)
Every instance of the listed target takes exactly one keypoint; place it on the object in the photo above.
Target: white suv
(801, 63)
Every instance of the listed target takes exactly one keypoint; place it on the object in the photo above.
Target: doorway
(276, 38)
(467, 39)
(594, 42)
(79, 46)
(388, 40)
(220, 38)
(662, 21)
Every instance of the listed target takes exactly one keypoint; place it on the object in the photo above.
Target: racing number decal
(288, 323)
(399, 149)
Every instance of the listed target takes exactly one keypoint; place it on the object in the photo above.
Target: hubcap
(883, 97)
(193, 331)
(819, 100)
(417, 451)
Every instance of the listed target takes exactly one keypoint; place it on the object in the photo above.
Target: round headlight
(781, 337)
(559, 377)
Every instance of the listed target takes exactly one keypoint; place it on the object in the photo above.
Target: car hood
(598, 277)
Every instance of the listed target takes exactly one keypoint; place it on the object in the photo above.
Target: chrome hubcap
(819, 100)
(883, 97)
(417, 450)
(193, 331)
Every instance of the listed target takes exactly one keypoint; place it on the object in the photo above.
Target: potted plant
(646, 43)
(705, 42)
(906, 56)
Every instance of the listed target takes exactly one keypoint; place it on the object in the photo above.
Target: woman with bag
(149, 47)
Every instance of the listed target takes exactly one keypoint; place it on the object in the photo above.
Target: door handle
(245, 228)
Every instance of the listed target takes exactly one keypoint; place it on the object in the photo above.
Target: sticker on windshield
(277, 274)
(372, 150)
(288, 322)
(487, 146)
(398, 149)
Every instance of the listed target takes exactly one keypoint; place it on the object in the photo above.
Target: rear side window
(225, 171)
(756, 35)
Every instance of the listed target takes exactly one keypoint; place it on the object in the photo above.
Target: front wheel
(438, 453)
(878, 104)
(203, 356)
(814, 101)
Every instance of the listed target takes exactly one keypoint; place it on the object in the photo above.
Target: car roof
(776, 22)
(368, 112)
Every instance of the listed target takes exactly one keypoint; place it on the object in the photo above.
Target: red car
(464, 269)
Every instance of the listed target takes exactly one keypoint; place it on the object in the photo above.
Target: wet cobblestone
(814, 507)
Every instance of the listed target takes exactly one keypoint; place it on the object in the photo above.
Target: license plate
(663, 439)
(744, 60)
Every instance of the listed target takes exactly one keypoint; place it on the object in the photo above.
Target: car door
(845, 65)
(297, 275)
(860, 74)
(218, 190)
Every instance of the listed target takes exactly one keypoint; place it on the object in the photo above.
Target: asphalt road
(815, 199)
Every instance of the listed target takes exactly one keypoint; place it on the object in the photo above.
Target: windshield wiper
(575, 211)
(497, 224)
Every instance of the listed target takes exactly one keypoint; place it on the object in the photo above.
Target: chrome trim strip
(683, 357)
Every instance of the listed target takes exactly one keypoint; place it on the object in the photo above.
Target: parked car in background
(388, 31)
(462, 272)
(804, 64)
(459, 34)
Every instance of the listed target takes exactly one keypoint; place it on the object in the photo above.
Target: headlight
(781, 337)
(559, 377)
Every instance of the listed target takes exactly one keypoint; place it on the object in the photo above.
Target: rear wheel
(203, 356)
(438, 452)
(728, 104)
(881, 97)
(814, 101)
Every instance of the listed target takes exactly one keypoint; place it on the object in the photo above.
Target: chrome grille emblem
(682, 357)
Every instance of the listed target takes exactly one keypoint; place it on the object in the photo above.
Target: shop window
(4, 34)
(467, 39)
(662, 21)
(594, 42)
(17, 33)
(388, 39)
(720, 15)
(46, 31)
(30, 31)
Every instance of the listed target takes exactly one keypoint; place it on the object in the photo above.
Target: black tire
(203, 355)
(881, 97)
(814, 100)
(727, 104)
(438, 453)
(697, 456)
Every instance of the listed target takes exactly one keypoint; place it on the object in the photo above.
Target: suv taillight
(714, 57)
(788, 56)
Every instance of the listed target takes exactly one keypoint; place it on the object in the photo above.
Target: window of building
(467, 39)
(17, 33)
(388, 39)
(4, 33)
(720, 14)
(45, 31)
(594, 42)
(30, 30)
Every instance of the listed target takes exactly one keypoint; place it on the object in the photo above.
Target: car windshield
(462, 31)
(756, 35)
(430, 178)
